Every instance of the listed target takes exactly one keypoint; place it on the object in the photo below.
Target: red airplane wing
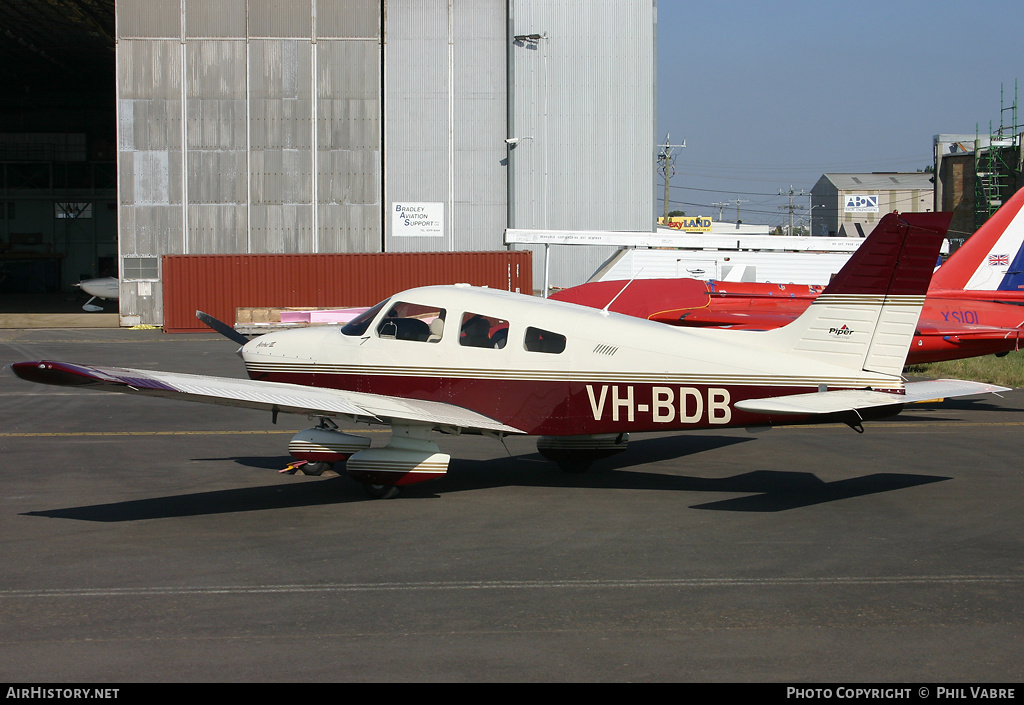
(641, 298)
(750, 320)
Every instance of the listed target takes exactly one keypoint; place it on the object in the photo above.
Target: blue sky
(769, 95)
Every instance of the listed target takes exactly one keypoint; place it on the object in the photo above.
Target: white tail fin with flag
(991, 259)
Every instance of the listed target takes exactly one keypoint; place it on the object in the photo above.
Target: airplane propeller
(222, 328)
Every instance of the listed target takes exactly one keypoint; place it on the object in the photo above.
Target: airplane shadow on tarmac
(763, 490)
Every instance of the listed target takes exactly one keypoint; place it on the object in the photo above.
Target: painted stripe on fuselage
(258, 369)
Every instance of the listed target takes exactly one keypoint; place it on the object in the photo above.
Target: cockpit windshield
(359, 324)
(416, 322)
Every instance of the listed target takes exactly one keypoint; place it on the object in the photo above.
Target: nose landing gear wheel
(316, 468)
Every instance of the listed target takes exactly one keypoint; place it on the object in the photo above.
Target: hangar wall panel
(220, 284)
(449, 71)
(416, 82)
(148, 18)
(217, 154)
(278, 18)
(247, 126)
(281, 145)
(584, 95)
(348, 19)
(150, 159)
(215, 18)
(348, 138)
(480, 115)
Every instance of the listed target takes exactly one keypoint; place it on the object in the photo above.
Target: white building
(852, 204)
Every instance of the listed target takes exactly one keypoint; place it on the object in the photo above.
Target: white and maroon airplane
(461, 359)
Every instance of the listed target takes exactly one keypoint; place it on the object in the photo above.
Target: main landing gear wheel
(575, 454)
(316, 468)
(575, 466)
(381, 491)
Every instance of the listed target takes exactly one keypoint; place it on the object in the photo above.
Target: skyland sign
(698, 224)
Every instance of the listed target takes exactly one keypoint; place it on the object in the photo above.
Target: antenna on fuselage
(605, 309)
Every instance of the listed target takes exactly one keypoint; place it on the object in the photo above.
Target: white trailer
(669, 253)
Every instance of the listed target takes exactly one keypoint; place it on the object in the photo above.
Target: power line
(775, 216)
(738, 193)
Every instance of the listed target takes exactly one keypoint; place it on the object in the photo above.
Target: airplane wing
(759, 320)
(639, 297)
(252, 394)
(856, 400)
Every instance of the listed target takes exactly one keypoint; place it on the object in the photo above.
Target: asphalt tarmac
(148, 540)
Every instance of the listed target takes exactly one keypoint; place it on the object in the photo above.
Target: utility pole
(738, 202)
(721, 207)
(791, 207)
(666, 161)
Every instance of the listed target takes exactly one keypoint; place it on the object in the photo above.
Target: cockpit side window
(359, 324)
(544, 341)
(416, 322)
(479, 331)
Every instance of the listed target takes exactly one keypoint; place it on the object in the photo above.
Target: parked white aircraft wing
(269, 396)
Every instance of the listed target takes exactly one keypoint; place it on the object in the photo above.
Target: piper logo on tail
(840, 332)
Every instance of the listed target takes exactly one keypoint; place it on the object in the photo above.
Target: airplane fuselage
(101, 288)
(548, 368)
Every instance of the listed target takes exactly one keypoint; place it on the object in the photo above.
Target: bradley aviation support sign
(417, 219)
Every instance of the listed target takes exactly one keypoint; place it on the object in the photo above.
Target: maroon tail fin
(898, 257)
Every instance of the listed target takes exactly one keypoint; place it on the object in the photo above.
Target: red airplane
(964, 314)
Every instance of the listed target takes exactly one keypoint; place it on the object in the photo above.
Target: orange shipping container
(220, 284)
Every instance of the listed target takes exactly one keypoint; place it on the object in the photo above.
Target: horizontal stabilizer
(813, 403)
(946, 388)
(850, 400)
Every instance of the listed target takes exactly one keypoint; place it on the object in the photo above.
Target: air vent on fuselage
(603, 349)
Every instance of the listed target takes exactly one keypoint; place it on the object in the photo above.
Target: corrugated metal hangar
(332, 126)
